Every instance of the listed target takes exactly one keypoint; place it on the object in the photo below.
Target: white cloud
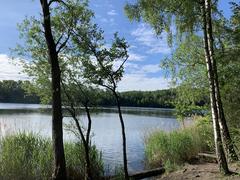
(142, 69)
(145, 36)
(109, 21)
(10, 69)
(137, 78)
(104, 20)
(141, 82)
(112, 21)
(135, 57)
(112, 13)
(131, 66)
(150, 68)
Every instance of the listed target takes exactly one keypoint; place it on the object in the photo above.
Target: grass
(175, 148)
(29, 156)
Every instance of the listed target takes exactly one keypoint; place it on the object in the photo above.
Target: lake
(105, 127)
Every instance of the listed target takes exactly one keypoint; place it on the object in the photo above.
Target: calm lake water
(105, 127)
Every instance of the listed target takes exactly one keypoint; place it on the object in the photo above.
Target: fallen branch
(148, 173)
(213, 156)
(140, 175)
(208, 157)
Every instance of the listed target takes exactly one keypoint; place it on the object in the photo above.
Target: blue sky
(146, 51)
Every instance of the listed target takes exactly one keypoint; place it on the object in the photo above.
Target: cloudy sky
(146, 50)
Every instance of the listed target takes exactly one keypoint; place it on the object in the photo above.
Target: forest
(16, 92)
(72, 64)
(13, 92)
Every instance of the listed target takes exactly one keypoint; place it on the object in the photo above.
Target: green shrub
(205, 131)
(235, 134)
(29, 156)
(173, 149)
(76, 163)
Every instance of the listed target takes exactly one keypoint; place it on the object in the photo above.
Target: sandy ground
(205, 171)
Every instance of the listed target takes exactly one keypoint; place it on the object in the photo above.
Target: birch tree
(190, 17)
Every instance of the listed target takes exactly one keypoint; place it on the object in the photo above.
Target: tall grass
(175, 148)
(76, 162)
(29, 156)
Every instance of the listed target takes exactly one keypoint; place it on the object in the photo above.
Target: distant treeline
(158, 99)
(13, 92)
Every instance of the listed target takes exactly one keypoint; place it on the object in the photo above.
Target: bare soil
(204, 171)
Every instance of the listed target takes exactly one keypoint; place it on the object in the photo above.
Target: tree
(57, 131)
(46, 62)
(187, 70)
(71, 97)
(13, 92)
(78, 95)
(104, 67)
(190, 17)
(230, 66)
(186, 67)
(105, 74)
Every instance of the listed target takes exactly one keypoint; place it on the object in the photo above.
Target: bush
(205, 131)
(76, 164)
(29, 156)
(235, 134)
(175, 148)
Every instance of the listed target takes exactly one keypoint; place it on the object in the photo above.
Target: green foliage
(13, 92)
(161, 15)
(20, 92)
(29, 156)
(204, 127)
(177, 147)
(76, 161)
(190, 101)
(119, 173)
(160, 98)
(187, 70)
(104, 70)
(25, 156)
(187, 63)
(80, 95)
(235, 134)
(103, 98)
(64, 18)
(79, 42)
(235, 22)
(173, 149)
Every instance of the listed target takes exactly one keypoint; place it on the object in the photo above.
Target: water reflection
(105, 127)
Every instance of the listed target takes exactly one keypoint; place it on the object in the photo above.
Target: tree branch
(64, 43)
(120, 66)
(58, 1)
(72, 111)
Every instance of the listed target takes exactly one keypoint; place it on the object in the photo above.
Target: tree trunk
(57, 131)
(85, 141)
(88, 148)
(222, 162)
(88, 175)
(229, 147)
(123, 137)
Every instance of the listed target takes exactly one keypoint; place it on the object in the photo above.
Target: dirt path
(206, 171)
